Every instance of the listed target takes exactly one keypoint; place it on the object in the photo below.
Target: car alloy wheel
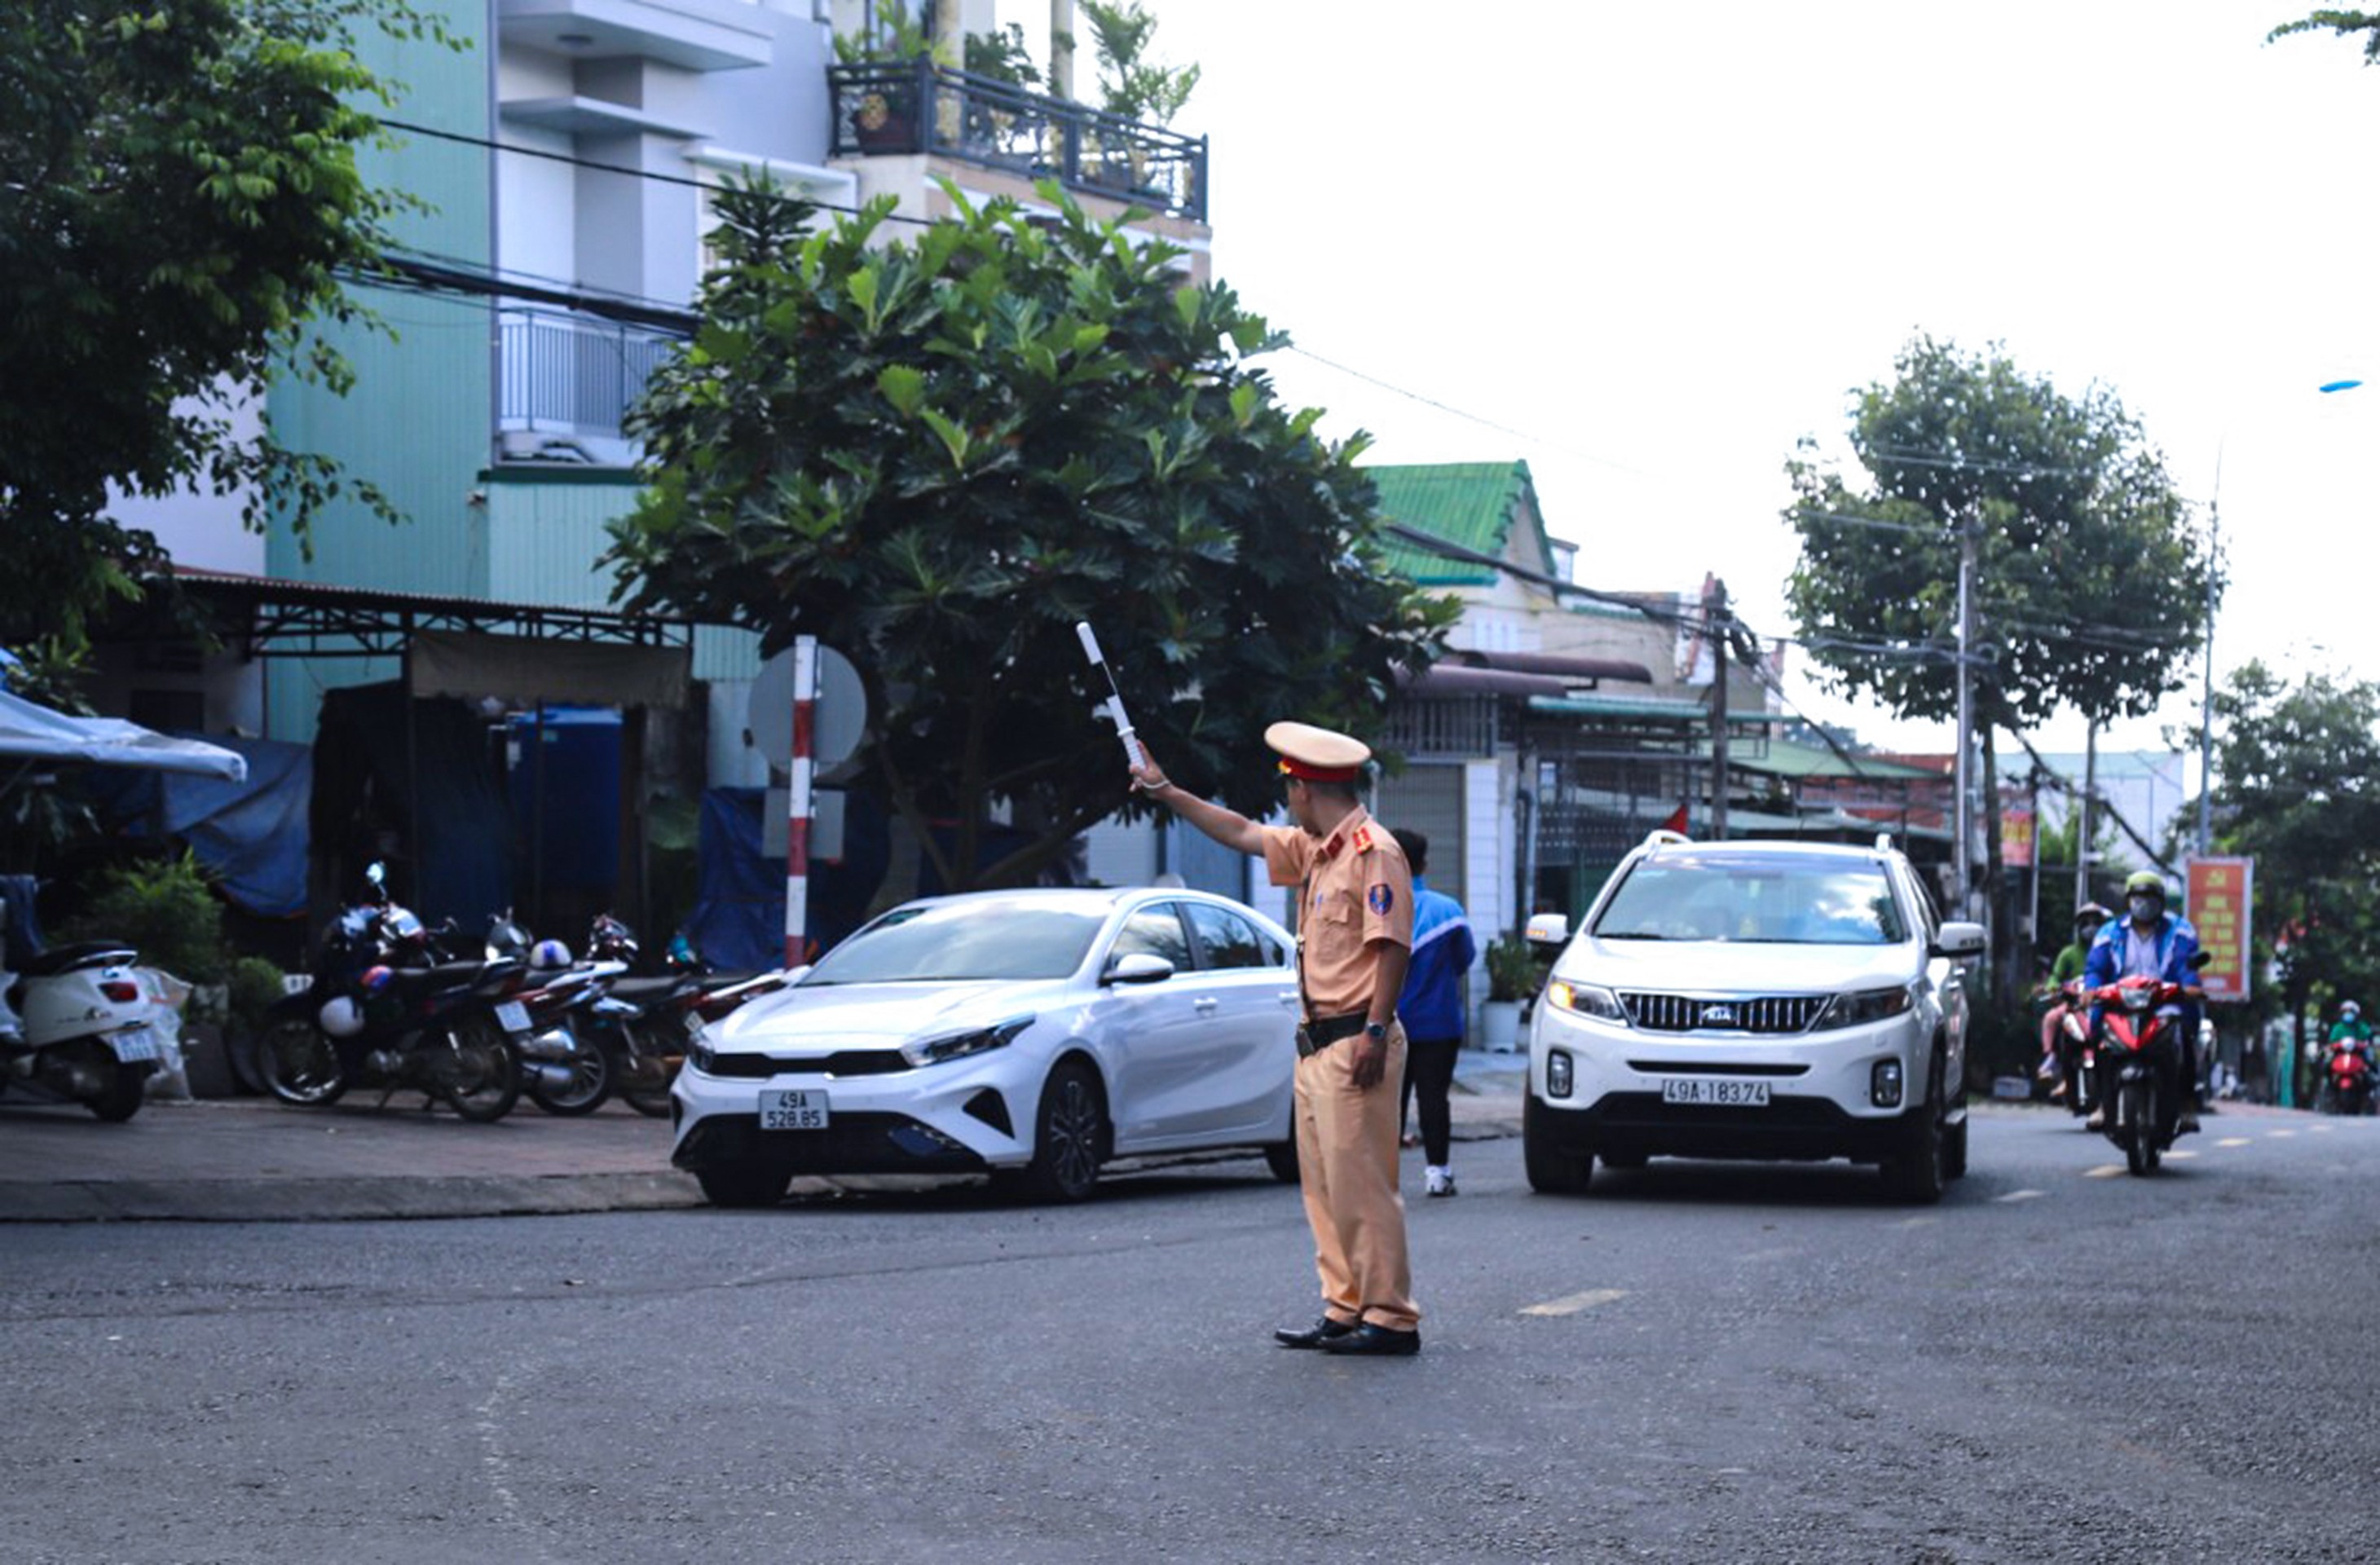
(1070, 1135)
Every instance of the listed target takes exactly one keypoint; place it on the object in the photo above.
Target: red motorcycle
(2138, 1049)
(2077, 1064)
(2350, 1079)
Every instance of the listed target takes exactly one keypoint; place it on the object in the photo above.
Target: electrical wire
(1431, 401)
(432, 275)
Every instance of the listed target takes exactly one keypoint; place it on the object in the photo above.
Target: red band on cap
(1304, 772)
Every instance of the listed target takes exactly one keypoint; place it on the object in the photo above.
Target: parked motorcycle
(77, 1025)
(365, 1020)
(550, 1013)
(2350, 1079)
(646, 1021)
(2139, 1051)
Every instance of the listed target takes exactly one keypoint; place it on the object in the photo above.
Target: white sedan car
(1031, 1034)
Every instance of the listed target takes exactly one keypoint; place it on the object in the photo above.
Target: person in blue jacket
(2147, 940)
(1432, 1007)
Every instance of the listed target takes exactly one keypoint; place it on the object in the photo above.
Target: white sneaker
(1437, 1182)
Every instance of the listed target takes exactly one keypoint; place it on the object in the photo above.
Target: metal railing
(574, 372)
(914, 106)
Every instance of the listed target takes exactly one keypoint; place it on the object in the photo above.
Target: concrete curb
(343, 1200)
(249, 1160)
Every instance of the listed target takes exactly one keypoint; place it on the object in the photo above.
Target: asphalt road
(1695, 1361)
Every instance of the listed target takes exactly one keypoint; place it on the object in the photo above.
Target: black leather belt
(1316, 1037)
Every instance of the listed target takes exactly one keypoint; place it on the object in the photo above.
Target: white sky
(1667, 241)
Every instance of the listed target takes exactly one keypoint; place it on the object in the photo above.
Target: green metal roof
(1471, 503)
(1677, 707)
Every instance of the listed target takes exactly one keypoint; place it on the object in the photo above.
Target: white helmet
(549, 955)
(341, 1016)
(2349, 1008)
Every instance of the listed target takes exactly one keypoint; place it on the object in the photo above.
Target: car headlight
(698, 1053)
(958, 1046)
(1868, 1005)
(1587, 999)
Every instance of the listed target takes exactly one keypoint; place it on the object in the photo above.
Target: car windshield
(998, 938)
(1739, 897)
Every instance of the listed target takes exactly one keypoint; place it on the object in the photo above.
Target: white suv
(1754, 1000)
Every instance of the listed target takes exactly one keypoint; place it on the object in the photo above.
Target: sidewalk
(249, 1159)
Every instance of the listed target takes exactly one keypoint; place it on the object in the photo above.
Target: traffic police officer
(1354, 920)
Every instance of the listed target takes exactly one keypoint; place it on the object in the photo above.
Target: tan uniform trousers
(1347, 1170)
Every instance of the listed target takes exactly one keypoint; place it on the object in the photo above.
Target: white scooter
(76, 1027)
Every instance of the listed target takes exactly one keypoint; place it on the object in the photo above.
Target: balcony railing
(570, 372)
(917, 107)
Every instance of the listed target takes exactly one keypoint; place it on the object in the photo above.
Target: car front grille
(843, 1062)
(1705, 1014)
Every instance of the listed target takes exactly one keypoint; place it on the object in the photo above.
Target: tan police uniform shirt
(1358, 890)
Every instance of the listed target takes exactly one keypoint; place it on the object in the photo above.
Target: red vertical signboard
(2016, 837)
(2221, 894)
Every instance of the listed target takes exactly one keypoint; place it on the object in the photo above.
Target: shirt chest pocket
(1338, 933)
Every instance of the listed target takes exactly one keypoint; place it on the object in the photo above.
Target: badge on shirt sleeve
(1379, 898)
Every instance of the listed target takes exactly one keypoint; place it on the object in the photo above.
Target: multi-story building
(564, 159)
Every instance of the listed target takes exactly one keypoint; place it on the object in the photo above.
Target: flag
(1677, 821)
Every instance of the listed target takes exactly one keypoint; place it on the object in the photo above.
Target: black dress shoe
(1370, 1339)
(1315, 1336)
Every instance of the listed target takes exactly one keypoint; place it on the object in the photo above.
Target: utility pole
(2082, 826)
(2206, 708)
(1715, 624)
(1963, 818)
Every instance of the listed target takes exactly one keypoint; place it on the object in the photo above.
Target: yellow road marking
(2178, 1156)
(2233, 1141)
(2021, 1196)
(2280, 1135)
(2318, 1130)
(2105, 1171)
(1574, 1303)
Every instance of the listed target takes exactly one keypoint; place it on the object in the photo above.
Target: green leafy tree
(939, 454)
(1133, 86)
(2345, 24)
(2298, 770)
(182, 196)
(2091, 585)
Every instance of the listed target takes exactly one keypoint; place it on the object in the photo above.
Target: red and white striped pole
(797, 793)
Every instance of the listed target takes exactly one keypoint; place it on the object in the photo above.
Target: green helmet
(2145, 883)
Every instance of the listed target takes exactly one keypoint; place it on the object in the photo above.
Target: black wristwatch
(1377, 1031)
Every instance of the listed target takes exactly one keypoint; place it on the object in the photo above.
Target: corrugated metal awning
(1564, 666)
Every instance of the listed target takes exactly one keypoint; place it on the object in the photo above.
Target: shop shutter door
(1429, 799)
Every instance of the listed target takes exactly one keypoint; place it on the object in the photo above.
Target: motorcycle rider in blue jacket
(2150, 942)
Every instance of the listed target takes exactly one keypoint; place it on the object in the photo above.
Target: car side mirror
(1960, 938)
(1140, 967)
(1548, 931)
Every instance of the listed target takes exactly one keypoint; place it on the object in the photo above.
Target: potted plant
(884, 114)
(1512, 976)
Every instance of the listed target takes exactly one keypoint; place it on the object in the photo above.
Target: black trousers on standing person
(1429, 1073)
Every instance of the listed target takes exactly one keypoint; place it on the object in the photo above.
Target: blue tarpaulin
(251, 834)
(738, 920)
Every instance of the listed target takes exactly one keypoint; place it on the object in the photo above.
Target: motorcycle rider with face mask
(2351, 1032)
(2149, 940)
